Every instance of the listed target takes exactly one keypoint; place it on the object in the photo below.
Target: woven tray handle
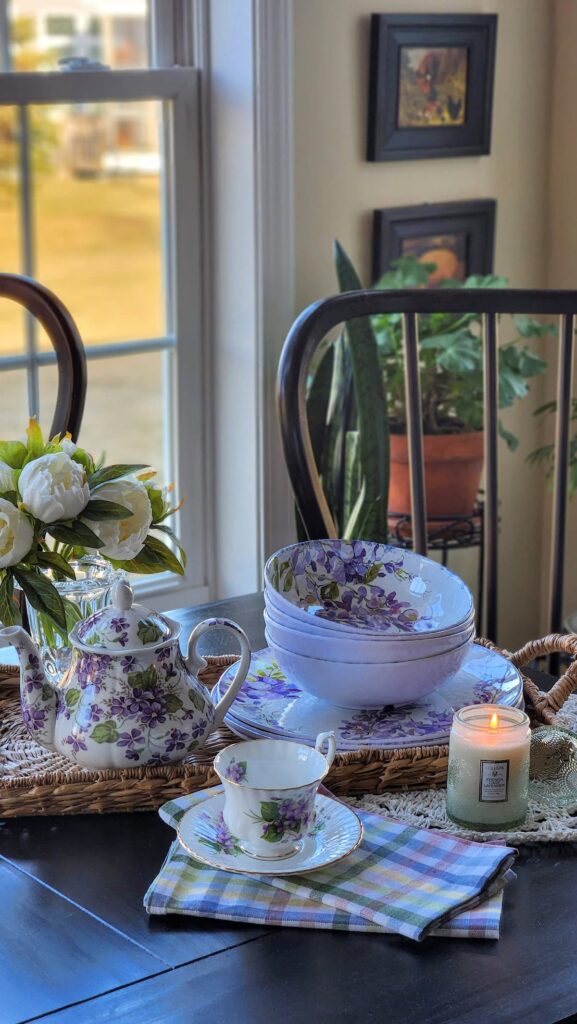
(544, 706)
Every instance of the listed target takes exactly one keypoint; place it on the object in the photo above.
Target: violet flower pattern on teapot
(129, 697)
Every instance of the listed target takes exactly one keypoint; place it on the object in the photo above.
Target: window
(94, 162)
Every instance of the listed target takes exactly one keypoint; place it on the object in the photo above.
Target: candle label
(494, 781)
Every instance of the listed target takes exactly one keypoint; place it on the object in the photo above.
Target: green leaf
(42, 595)
(9, 611)
(170, 533)
(271, 835)
(371, 403)
(154, 557)
(148, 632)
(59, 565)
(145, 680)
(173, 703)
(510, 439)
(196, 699)
(47, 692)
(98, 509)
(71, 698)
(35, 439)
(13, 453)
(10, 496)
(107, 473)
(105, 732)
(76, 533)
(84, 459)
(269, 810)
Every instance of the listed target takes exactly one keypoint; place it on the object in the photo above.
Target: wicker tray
(35, 781)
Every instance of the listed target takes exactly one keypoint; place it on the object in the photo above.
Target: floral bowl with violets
(366, 587)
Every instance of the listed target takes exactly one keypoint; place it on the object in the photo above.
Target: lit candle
(488, 778)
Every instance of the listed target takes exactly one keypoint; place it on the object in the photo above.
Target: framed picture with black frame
(430, 85)
(458, 238)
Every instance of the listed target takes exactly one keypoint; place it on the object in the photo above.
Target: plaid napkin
(400, 880)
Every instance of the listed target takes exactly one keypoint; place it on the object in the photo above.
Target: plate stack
(371, 641)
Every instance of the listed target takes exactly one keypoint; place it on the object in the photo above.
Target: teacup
(270, 788)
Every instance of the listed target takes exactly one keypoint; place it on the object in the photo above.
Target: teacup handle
(194, 661)
(329, 739)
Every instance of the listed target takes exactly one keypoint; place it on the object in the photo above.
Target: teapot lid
(122, 625)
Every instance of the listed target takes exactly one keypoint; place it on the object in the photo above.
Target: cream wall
(336, 190)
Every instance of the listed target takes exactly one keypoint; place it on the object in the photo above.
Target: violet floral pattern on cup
(281, 816)
(236, 770)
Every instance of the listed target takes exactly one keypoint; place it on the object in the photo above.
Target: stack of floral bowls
(363, 625)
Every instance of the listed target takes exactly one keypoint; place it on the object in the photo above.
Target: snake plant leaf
(318, 397)
(371, 404)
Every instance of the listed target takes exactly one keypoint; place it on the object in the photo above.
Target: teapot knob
(122, 596)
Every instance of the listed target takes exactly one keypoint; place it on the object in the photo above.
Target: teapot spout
(38, 696)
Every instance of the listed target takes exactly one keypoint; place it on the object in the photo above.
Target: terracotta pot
(453, 467)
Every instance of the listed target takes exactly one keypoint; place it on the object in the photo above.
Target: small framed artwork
(457, 237)
(430, 85)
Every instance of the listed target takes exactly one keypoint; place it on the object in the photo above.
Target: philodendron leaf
(99, 509)
(104, 732)
(42, 595)
(371, 401)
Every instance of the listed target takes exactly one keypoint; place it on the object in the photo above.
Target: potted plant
(451, 360)
(342, 423)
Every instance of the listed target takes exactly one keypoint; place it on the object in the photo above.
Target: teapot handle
(194, 661)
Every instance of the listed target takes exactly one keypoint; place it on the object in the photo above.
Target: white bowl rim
(341, 661)
(370, 638)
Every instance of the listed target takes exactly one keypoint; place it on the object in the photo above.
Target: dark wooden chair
(315, 323)
(63, 334)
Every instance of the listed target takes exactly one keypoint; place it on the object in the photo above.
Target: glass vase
(85, 595)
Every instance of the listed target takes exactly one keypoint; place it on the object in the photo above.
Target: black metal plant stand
(445, 534)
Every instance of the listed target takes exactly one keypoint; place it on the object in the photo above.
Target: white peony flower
(16, 534)
(54, 487)
(6, 478)
(68, 445)
(124, 538)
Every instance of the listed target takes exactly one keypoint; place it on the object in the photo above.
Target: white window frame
(183, 345)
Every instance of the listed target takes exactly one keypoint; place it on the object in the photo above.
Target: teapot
(129, 697)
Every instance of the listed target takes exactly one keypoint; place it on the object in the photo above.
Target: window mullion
(28, 254)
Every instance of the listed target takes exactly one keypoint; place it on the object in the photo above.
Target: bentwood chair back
(63, 334)
(320, 318)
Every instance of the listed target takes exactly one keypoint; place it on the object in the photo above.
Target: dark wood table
(77, 947)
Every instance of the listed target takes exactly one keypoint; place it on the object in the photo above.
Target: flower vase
(88, 593)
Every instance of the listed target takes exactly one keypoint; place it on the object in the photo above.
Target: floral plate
(269, 703)
(337, 831)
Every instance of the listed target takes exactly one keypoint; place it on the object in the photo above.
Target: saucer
(337, 831)
(270, 703)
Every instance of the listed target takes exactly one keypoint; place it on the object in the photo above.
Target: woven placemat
(425, 808)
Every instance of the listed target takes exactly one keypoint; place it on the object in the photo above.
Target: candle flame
(494, 721)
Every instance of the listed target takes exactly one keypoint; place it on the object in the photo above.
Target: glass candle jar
(488, 778)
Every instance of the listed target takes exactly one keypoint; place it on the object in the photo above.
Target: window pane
(13, 404)
(44, 32)
(97, 215)
(123, 414)
(11, 317)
